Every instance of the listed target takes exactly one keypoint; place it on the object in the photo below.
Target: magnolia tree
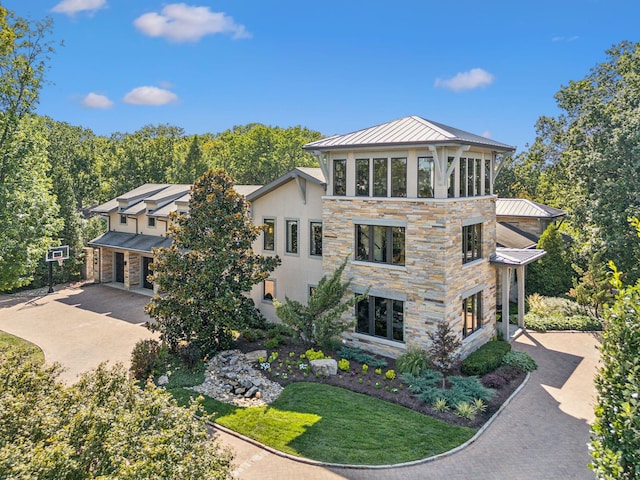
(103, 426)
(208, 270)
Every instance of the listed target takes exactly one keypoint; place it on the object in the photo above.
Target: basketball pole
(50, 277)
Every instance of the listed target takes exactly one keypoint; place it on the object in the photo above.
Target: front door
(119, 264)
(146, 261)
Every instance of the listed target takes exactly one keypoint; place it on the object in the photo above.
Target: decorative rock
(163, 380)
(324, 367)
(230, 377)
(255, 355)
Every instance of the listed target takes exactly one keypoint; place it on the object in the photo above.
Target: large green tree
(552, 274)
(587, 159)
(210, 267)
(103, 426)
(28, 211)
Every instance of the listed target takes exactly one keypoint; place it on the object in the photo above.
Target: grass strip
(8, 341)
(331, 424)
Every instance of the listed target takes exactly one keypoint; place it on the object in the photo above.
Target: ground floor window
(269, 290)
(381, 317)
(471, 314)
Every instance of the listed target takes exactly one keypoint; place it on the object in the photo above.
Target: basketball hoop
(56, 254)
(60, 261)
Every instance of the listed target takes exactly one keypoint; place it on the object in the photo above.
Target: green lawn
(10, 341)
(332, 424)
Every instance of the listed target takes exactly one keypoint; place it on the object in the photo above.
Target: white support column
(506, 283)
(521, 274)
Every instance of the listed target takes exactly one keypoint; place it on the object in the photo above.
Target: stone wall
(106, 265)
(131, 270)
(433, 281)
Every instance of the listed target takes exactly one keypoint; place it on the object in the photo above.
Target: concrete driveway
(78, 327)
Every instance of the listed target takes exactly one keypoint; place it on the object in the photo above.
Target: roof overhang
(516, 257)
(132, 242)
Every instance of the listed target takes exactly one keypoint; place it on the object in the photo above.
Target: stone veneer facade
(433, 281)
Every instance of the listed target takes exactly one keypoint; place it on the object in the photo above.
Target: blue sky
(491, 68)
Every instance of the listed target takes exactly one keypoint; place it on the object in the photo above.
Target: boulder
(162, 380)
(324, 367)
(255, 355)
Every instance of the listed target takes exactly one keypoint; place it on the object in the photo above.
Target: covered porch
(511, 262)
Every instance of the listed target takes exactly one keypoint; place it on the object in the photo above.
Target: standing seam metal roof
(521, 207)
(405, 131)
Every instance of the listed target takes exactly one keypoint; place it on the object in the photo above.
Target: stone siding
(132, 270)
(433, 280)
(106, 266)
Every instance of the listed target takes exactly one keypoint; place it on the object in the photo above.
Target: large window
(315, 238)
(340, 177)
(292, 236)
(269, 239)
(362, 177)
(471, 242)
(425, 177)
(398, 177)
(381, 317)
(471, 314)
(380, 244)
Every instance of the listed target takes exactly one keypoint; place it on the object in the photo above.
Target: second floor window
(123, 219)
(269, 234)
(315, 239)
(151, 222)
(380, 244)
(292, 236)
(425, 177)
(471, 242)
(340, 177)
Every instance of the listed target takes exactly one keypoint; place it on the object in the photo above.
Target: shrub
(189, 354)
(279, 329)
(365, 368)
(419, 384)
(344, 365)
(352, 353)
(508, 372)
(471, 387)
(390, 374)
(312, 354)
(522, 360)
(378, 371)
(147, 359)
(413, 361)
(466, 410)
(493, 380)
(558, 321)
(275, 341)
(440, 405)
(486, 359)
(443, 351)
(252, 334)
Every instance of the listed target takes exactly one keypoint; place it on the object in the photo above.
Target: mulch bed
(396, 391)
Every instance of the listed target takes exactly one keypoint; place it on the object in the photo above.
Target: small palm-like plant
(466, 410)
(440, 405)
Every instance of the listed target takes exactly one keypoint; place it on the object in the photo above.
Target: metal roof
(516, 256)
(245, 190)
(131, 241)
(512, 237)
(407, 131)
(521, 207)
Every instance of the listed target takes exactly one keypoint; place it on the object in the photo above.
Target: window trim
(476, 313)
(388, 250)
(123, 219)
(371, 324)
(264, 234)
(287, 222)
(336, 162)
(151, 220)
(432, 180)
(311, 238)
(474, 252)
(264, 290)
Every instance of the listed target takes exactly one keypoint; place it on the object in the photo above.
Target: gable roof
(521, 207)
(305, 173)
(407, 131)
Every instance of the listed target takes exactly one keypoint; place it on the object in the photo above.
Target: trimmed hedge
(555, 321)
(486, 359)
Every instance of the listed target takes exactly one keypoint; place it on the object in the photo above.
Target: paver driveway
(541, 434)
(79, 328)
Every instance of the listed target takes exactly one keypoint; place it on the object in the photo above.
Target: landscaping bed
(285, 370)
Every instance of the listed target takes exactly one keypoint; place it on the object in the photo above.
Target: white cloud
(71, 7)
(474, 78)
(565, 39)
(149, 96)
(94, 100)
(180, 22)
(486, 134)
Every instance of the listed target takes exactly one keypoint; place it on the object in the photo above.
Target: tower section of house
(291, 209)
(411, 204)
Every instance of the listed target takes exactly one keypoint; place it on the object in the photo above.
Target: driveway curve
(541, 434)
